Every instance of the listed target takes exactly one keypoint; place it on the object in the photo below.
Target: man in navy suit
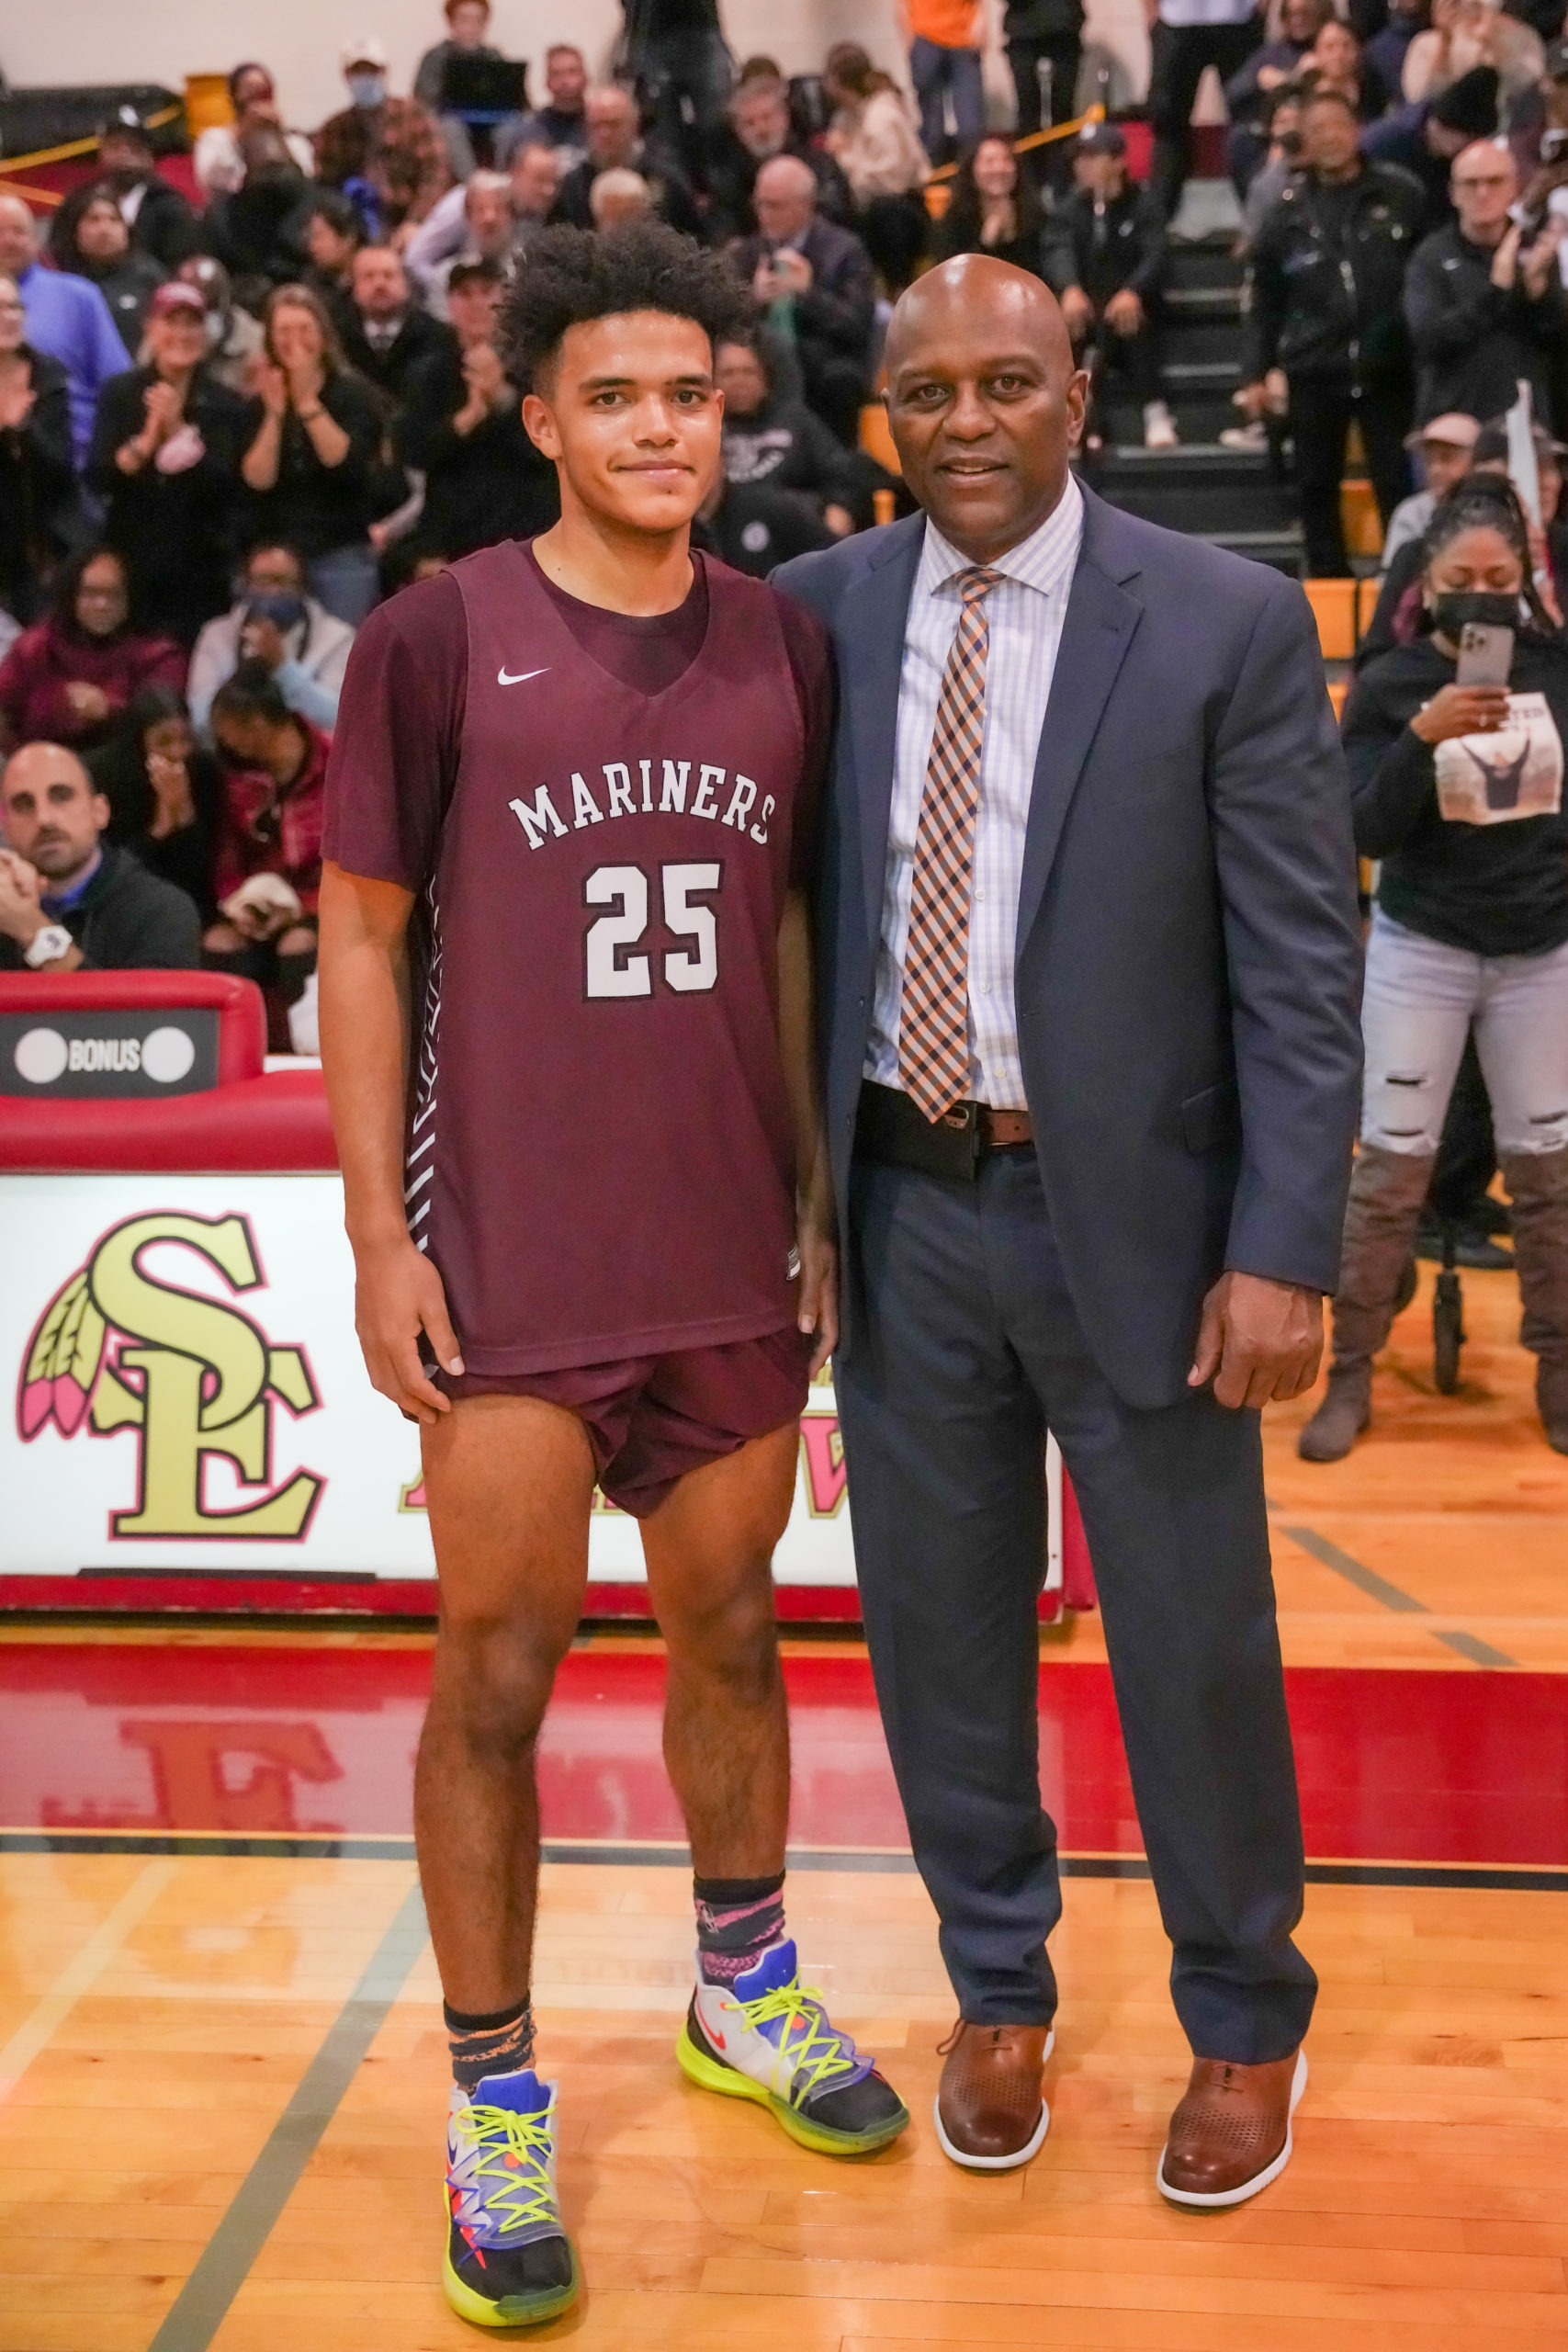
(1090, 972)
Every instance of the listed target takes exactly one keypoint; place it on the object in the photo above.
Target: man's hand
(784, 272)
(398, 1295)
(1538, 261)
(485, 376)
(1124, 313)
(1077, 310)
(1260, 1342)
(1270, 396)
(21, 916)
(1505, 260)
(817, 1307)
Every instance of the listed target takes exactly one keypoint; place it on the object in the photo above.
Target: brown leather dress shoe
(1231, 2134)
(990, 2114)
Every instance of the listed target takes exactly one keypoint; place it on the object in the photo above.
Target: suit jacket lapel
(871, 648)
(1102, 618)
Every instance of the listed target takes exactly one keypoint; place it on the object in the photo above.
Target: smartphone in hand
(1485, 654)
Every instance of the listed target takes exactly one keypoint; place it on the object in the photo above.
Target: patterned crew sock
(738, 1918)
(499, 2044)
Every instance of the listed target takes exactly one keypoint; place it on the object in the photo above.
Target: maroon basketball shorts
(652, 1419)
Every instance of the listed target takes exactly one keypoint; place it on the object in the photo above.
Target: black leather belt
(894, 1130)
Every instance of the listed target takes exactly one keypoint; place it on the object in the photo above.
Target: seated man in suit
(69, 900)
(758, 128)
(616, 143)
(814, 282)
(385, 333)
(1089, 978)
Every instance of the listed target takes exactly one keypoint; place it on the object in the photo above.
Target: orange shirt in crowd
(950, 24)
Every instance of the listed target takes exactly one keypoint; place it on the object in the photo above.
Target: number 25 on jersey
(610, 967)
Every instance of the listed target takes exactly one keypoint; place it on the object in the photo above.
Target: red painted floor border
(292, 1738)
(228, 1593)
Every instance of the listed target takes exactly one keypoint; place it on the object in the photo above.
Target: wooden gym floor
(222, 2073)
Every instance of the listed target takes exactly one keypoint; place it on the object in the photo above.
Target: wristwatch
(47, 945)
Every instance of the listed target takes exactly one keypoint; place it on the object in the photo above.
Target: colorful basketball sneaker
(767, 2038)
(509, 2262)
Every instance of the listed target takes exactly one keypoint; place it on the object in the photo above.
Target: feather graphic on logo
(63, 1360)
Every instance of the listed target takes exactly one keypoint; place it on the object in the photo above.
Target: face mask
(281, 606)
(1458, 606)
(367, 90)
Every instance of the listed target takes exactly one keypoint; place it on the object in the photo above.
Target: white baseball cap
(368, 51)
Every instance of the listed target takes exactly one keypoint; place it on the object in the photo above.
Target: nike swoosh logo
(717, 2037)
(504, 678)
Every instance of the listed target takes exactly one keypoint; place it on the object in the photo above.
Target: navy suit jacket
(1189, 955)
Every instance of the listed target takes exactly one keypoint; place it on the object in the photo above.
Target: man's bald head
(983, 400)
(18, 236)
(976, 286)
(1485, 155)
(1484, 184)
(52, 811)
(784, 197)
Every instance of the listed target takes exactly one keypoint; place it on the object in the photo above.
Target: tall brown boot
(1538, 1187)
(1387, 1188)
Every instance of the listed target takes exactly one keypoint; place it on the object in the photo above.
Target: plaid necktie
(933, 1027)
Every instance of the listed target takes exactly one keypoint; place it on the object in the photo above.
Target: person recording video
(1454, 744)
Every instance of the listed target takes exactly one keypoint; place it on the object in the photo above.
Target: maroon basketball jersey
(601, 1157)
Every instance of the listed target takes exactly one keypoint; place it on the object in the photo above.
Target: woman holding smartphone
(1455, 745)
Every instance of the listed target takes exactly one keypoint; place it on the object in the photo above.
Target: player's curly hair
(572, 276)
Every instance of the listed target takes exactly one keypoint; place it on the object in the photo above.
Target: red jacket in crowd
(269, 832)
(49, 659)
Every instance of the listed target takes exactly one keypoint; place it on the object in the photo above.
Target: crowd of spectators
(232, 419)
(229, 425)
(1404, 203)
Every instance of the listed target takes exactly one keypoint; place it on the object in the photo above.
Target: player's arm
(815, 1228)
(363, 983)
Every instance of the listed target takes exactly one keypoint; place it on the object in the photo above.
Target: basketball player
(566, 1025)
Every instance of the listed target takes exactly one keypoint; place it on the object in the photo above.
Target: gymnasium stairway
(1232, 497)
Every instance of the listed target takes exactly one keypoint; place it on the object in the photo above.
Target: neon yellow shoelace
(516, 2159)
(821, 2051)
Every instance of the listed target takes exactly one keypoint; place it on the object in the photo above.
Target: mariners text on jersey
(646, 792)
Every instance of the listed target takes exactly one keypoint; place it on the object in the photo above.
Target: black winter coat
(1327, 289)
(1474, 340)
(1107, 249)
